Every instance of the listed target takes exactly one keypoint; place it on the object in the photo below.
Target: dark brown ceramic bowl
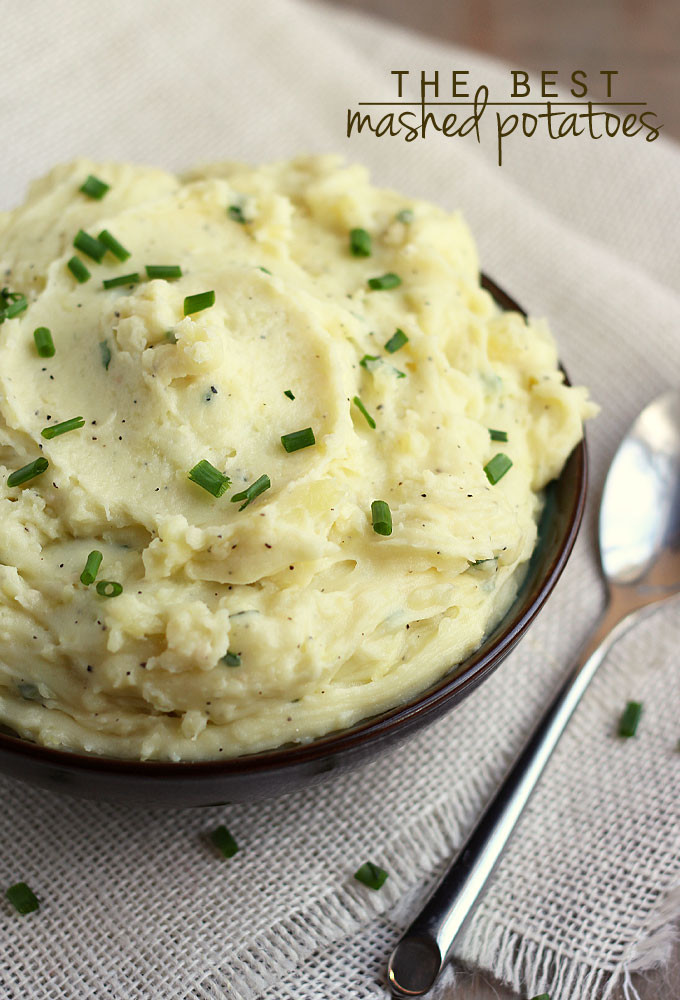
(256, 776)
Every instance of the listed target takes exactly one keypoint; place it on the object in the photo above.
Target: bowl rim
(478, 666)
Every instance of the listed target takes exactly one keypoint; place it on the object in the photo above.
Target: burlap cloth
(135, 904)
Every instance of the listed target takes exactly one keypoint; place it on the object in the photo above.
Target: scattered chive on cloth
(138, 904)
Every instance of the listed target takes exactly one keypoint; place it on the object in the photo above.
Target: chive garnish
(252, 491)
(542, 996)
(498, 435)
(105, 352)
(109, 588)
(112, 244)
(122, 279)
(360, 406)
(78, 269)
(89, 574)
(406, 216)
(298, 439)
(360, 243)
(89, 245)
(287, 392)
(22, 898)
(628, 722)
(367, 358)
(211, 479)
(371, 875)
(231, 659)
(13, 303)
(27, 472)
(63, 428)
(43, 342)
(265, 269)
(196, 303)
(382, 517)
(167, 271)
(384, 281)
(224, 842)
(396, 341)
(235, 212)
(497, 467)
(94, 188)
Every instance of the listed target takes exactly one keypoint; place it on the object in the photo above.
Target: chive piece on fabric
(405, 216)
(105, 352)
(211, 479)
(196, 303)
(28, 472)
(359, 243)
(22, 898)
(235, 212)
(89, 245)
(396, 341)
(167, 271)
(360, 406)
(298, 439)
(231, 659)
(78, 269)
(384, 281)
(371, 875)
(122, 279)
(252, 491)
(89, 574)
(109, 588)
(94, 188)
(54, 430)
(630, 718)
(497, 467)
(112, 244)
(381, 516)
(498, 435)
(287, 392)
(224, 842)
(43, 342)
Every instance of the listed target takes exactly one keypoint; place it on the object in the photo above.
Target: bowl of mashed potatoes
(281, 477)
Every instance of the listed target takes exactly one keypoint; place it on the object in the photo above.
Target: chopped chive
(628, 722)
(13, 303)
(360, 243)
(105, 352)
(78, 269)
(360, 406)
(27, 472)
(109, 588)
(171, 336)
(498, 435)
(94, 188)
(167, 271)
(382, 517)
(122, 279)
(224, 842)
(196, 303)
(542, 996)
(211, 479)
(231, 659)
(265, 269)
(298, 439)
(89, 574)
(397, 340)
(252, 491)
(29, 692)
(89, 245)
(367, 359)
(22, 898)
(497, 467)
(405, 216)
(371, 875)
(43, 342)
(235, 212)
(287, 392)
(384, 281)
(63, 428)
(112, 244)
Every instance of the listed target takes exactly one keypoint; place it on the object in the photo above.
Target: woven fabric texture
(135, 904)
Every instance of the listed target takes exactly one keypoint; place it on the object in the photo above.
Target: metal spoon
(640, 553)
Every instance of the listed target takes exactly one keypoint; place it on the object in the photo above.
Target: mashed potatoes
(285, 615)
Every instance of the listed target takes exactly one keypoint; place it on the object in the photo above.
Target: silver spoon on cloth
(639, 537)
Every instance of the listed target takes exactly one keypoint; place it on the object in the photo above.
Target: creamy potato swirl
(330, 622)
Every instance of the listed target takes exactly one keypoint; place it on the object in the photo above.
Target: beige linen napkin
(134, 904)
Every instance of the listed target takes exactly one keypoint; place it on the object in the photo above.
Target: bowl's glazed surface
(286, 769)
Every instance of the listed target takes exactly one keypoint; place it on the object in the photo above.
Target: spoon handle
(422, 952)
